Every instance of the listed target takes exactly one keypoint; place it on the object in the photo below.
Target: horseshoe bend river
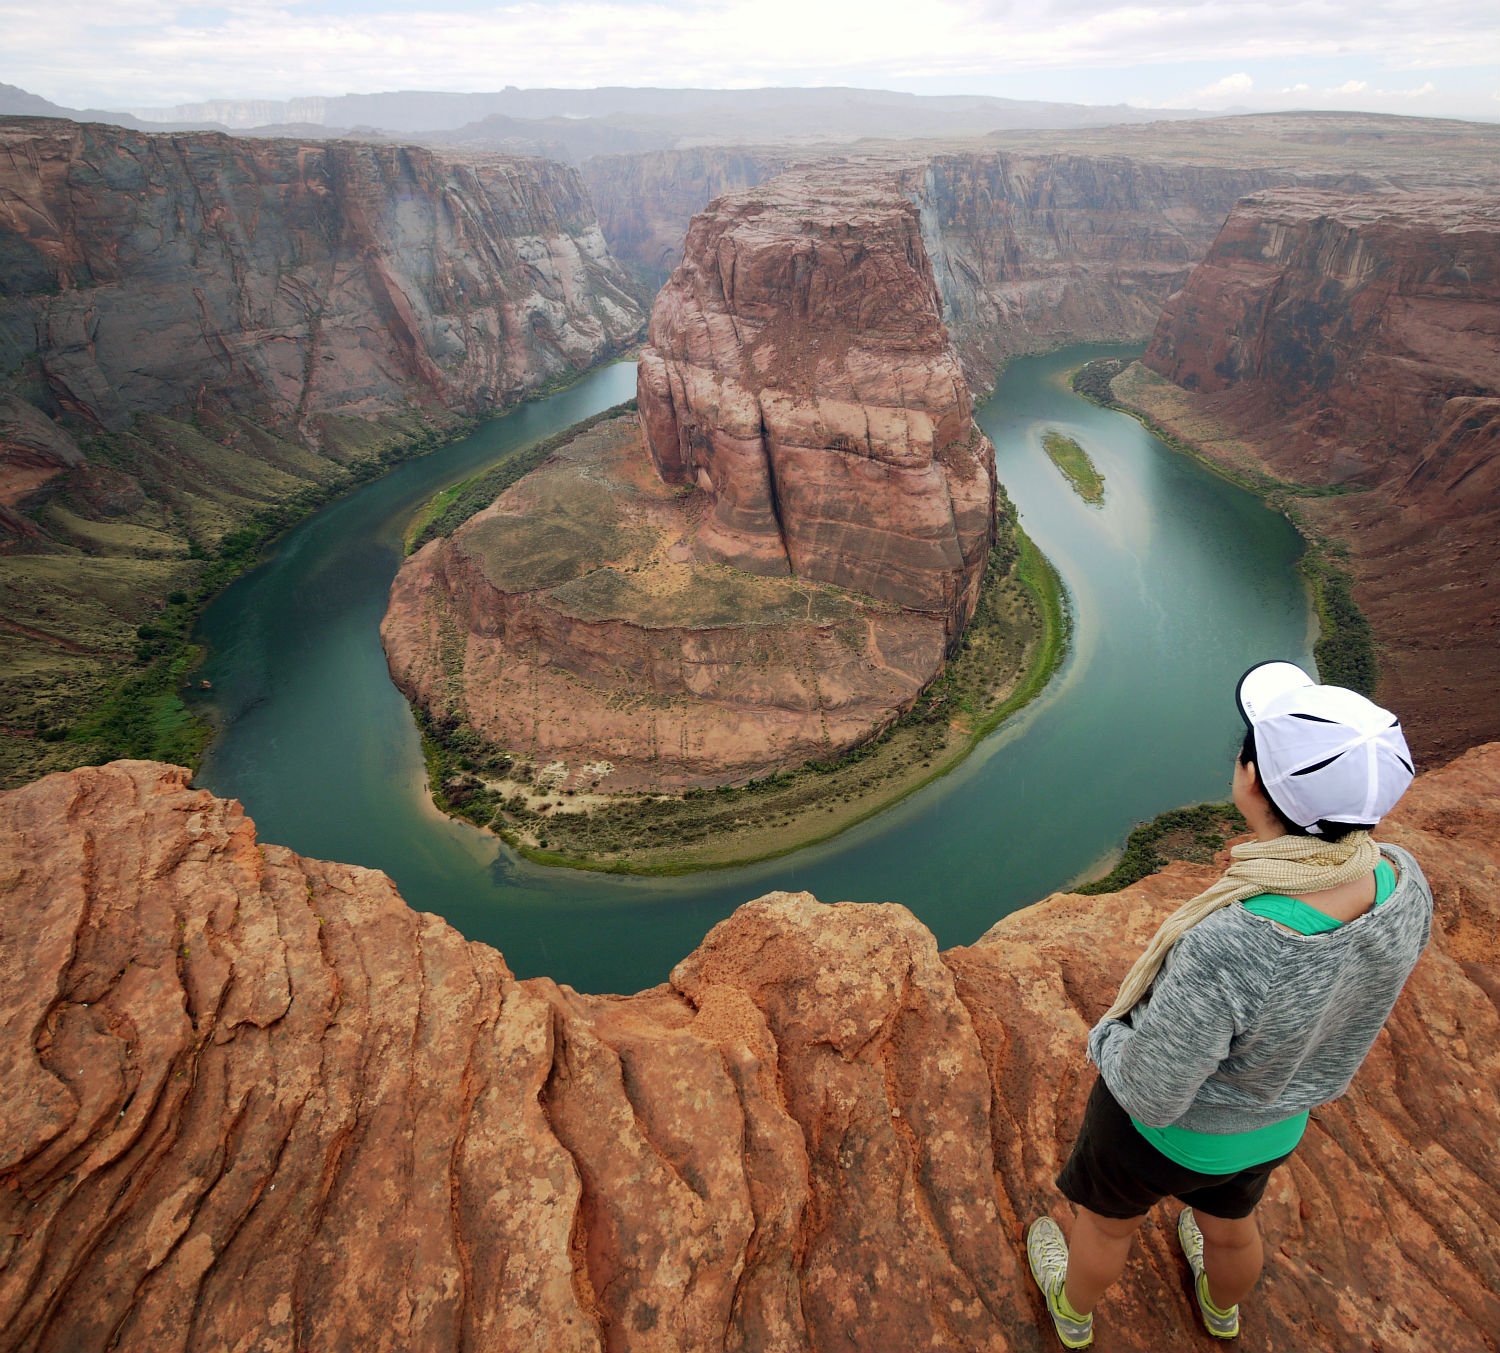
(1176, 585)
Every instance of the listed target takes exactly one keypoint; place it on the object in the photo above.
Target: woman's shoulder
(1231, 940)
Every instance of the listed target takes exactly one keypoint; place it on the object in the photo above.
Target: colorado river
(1177, 584)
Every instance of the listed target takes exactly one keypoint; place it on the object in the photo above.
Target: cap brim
(1264, 683)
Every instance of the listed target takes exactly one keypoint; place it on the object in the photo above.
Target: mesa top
(1248, 1024)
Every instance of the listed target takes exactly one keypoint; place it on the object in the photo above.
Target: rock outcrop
(784, 564)
(1354, 344)
(569, 623)
(253, 1101)
(799, 373)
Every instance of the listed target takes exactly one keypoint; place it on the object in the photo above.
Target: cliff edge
(254, 1101)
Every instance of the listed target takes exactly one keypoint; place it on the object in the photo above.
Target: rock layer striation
(253, 1101)
(1353, 344)
(772, 566)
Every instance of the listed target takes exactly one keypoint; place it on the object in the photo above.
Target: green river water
(1176, 585)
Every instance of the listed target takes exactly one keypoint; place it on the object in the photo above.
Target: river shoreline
(1346, 652)
(189, 723)
(322, 750)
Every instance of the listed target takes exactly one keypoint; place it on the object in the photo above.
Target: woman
(1254, 1003)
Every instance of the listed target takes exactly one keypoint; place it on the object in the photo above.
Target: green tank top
(1229, 1152)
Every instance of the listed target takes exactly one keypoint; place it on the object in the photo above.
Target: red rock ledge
(255, 1102)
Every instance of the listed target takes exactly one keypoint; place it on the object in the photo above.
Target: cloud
(156, 52)
(1350, 87)
(1230, 86)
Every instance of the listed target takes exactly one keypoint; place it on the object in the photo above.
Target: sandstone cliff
(285, 278)
(253, 1101)
(1035, 250)
(1354, 344)
(645, 201)
(236, 328)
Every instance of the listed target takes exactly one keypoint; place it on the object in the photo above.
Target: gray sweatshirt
(1249, 1023)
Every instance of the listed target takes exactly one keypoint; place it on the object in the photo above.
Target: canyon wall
(645, 201)
(284, 278)
(799, 373)
(1029, 249)
(253, 1101)
(1353, 344)
(1032, 251)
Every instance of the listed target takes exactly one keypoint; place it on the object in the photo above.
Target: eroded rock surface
(253, 1101)
(1354, 343)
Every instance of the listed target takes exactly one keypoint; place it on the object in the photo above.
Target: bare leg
(1097, 1251)
(1232, 1257)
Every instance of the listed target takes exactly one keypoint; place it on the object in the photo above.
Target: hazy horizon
(1391, 56)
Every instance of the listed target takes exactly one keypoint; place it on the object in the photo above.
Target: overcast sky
(1439, 57)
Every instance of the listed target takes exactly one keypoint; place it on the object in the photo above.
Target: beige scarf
(1289, 864)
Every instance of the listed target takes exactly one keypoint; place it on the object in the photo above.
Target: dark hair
(1327, 831)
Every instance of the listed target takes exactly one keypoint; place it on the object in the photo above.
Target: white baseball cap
(1324, 753)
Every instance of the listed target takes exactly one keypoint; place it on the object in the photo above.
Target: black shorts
(1116, 1172)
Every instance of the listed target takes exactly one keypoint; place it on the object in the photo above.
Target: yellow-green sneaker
(1221, 1324)
(1047, 1253)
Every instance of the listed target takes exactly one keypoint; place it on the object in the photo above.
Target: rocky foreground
(1352, 343)
(255, 1102)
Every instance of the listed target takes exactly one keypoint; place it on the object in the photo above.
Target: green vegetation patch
(1196, 834)
(449, 509)
(1092, 380)
(1078, 469)
(1345, 650)
(96, 659)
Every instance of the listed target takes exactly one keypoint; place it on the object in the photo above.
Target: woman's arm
(1155, 1065)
